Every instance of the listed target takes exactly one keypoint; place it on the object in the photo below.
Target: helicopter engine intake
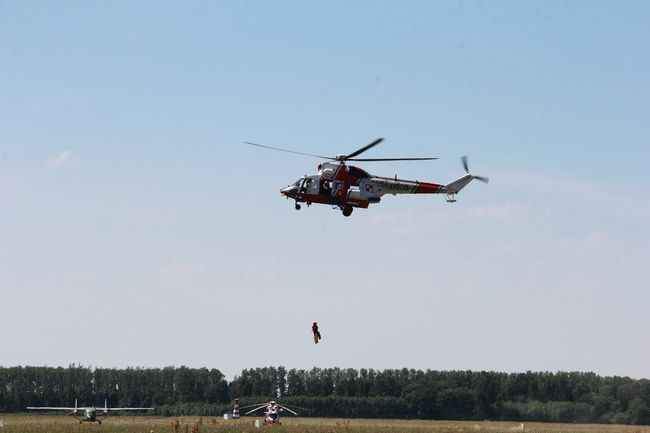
(359, 195)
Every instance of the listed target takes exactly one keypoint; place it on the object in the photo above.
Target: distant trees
(335, 392)
(408, 393)
(46, 386)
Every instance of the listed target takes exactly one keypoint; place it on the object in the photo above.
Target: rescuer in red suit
(314, 329)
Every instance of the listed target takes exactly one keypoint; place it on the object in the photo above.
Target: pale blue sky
(132, 214)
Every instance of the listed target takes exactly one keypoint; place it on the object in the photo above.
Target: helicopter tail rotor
(450, 190)
(466, 167)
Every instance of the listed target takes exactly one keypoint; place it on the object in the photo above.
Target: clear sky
(137, 230)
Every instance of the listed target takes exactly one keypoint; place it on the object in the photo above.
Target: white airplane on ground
(91, 413)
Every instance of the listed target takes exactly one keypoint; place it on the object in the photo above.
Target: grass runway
(13, 423)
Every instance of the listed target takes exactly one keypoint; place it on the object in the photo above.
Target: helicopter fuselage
(348, 187)
(272, 414)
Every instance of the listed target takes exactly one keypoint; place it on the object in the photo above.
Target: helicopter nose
(289, 191)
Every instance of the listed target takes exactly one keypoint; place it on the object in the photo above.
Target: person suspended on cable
(314, 329)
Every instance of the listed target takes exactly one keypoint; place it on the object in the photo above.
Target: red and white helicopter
(346, 187)
(272, 411)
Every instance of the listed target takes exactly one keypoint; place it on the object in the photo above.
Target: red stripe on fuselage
(427, 188)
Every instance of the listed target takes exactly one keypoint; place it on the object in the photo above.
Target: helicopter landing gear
(347, 210)
(451, 198)
(297, 206)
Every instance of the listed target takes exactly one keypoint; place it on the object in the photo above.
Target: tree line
(336, 392)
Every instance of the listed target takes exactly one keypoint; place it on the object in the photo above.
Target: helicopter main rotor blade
(350, 157)
(389, 159)
(290, 151)
(256, 409)
(250, 405)
(363, 149)
(287, 409)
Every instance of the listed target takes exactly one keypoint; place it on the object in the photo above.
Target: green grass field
(146, 424)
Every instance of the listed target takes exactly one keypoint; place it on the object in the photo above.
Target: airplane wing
(55, 408)
(128, 408)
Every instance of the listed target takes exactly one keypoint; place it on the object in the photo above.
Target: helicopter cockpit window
(306, 183)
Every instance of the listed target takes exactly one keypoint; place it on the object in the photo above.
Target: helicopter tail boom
(455, 186)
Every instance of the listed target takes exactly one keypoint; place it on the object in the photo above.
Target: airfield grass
(148, 424)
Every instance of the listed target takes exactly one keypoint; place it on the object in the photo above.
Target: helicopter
(347, 187)
(272, 411)
(91, 413)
